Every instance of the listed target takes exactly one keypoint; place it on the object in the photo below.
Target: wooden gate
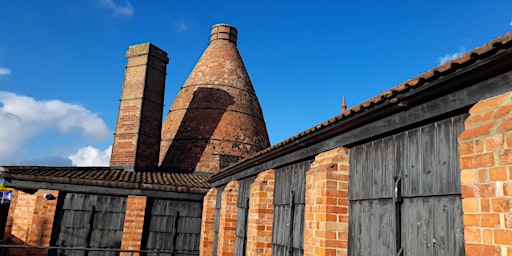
(242, 219)
(405, 194)
(172, 227)
(289, 200)
(88, 221)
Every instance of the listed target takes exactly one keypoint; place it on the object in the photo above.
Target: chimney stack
(138, 130)
(224, 32)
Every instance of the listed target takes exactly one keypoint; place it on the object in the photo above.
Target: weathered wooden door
(242, 219)
(405, 195)
(172, 227)
(289, 200)
(89, 221)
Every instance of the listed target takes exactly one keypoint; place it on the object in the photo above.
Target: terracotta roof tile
(445, 68)
(110, 177)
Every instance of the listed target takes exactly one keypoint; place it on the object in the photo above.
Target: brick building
(150, 198)
(421, 169)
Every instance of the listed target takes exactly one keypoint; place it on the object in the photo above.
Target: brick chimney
(137, 136)
(216, 118)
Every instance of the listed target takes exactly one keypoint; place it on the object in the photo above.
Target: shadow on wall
(203, 115)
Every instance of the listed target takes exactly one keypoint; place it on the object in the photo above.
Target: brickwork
(227, 223)
(30, 221)
(207, 223)
(133, 224)
(261, 215)
(486, 162)
(326, 209)
(137, 137)
(10, 214)
(216, 113)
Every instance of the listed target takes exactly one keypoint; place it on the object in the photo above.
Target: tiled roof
(109, 177)
(449, 67)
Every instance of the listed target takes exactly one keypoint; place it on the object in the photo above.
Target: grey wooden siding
(172, 226)
(289, 200)
(217, 220)
(423, 215)
(244, 190)
(91, 221)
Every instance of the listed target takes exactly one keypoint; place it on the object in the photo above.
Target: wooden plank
(382, 226)
(355, 177)
(217, 220)
(377, 169)
(458, 128)
(298, 226)
(241, 221)
(427, 155)
(413, 163)
(389, 166)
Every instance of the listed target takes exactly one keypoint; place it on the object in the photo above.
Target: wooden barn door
(242, 218)
(89, 221)
(289, 200)
(405, 195)
(172, 227)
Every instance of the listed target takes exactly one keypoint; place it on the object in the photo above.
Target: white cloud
(4, 71)
(126, 10)
(511, 23)
(22, 118)
(91, 156)
(451, 56)
(180, 25)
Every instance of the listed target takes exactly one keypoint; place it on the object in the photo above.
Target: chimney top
(224, 32)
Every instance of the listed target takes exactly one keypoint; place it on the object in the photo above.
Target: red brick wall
(30, 221)
(207, 223)
(10, 215)
(133, 224)
(486, 176)
(326, 209)
(227, 223)
(139, 122)
(261, 215)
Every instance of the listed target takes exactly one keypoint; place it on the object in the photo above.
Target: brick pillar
(207, 223)
(133, 224)
(139, 123)
(261, 215)
(31, 221)
(227, 223)
(326, 209)
(486, 177)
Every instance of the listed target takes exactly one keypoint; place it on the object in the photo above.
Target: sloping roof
(110, 177)
(461, 62)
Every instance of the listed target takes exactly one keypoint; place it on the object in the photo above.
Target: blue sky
(62, 62)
